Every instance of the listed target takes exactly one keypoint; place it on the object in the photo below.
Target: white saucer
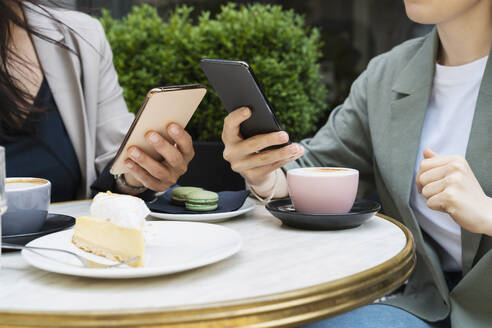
(170, 247)
(248, 205)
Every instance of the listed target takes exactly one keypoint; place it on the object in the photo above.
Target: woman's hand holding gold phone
(157, 150)
(160, 175)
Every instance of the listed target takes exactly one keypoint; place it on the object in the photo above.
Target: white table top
(273, 259)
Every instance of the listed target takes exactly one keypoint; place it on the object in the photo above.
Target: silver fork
(85, 262)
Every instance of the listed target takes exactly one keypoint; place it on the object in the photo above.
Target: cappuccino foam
(322, 171)
(23, 184)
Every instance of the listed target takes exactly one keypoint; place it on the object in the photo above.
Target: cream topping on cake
(121, 210)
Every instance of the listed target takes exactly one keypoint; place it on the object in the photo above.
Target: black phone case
(236, 86)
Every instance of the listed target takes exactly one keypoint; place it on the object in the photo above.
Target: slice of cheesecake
(114, 229)
(109, 240)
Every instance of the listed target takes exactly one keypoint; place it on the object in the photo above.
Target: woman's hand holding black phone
(244, 154)
(155, 175)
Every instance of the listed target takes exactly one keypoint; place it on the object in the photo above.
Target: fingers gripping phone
(162, 106)
(236, 86)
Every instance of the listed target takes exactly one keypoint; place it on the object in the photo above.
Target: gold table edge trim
(285, 309)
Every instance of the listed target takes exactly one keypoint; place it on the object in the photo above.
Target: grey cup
(28, 200)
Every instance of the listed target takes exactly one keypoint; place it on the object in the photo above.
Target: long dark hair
(18, 110)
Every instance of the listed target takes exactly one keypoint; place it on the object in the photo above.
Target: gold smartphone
(162, 106)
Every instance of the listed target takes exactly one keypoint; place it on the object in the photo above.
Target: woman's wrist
(131, 181)
(265, 196)
(264, 189)
(274, 184)
(124, 186)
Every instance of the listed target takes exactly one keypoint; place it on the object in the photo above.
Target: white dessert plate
(170, 247)
(248, 205)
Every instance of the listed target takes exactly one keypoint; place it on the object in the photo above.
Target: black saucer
(54, 223)
(360, 212)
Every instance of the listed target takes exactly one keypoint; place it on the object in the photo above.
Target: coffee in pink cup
(323, 190)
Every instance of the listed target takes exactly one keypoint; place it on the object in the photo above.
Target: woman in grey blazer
(61, 103)
(418, 126)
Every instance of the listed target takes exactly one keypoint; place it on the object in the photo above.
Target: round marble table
(282, 277)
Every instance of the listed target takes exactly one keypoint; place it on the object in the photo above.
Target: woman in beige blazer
(418, 126)
(65, 56)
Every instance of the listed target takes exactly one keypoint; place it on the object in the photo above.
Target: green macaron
(202, 200)
(179, 194)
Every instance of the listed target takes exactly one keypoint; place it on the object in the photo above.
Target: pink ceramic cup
(323, 190)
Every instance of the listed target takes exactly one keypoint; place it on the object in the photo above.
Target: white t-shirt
(446, 131)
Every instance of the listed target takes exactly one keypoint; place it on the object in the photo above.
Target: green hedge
(282, 51)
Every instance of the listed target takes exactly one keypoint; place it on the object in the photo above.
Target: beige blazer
(377, 130)
(84, 85)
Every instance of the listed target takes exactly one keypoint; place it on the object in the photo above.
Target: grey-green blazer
(377, 131)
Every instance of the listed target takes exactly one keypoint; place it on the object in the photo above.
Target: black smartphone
(236, 86)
